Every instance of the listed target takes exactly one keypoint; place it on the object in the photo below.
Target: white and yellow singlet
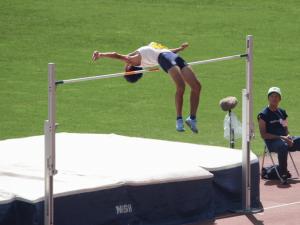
(150, 53)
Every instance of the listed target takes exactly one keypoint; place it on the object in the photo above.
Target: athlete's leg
(180, 87)
(190, 78)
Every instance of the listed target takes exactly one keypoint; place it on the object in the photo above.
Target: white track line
(281, 205)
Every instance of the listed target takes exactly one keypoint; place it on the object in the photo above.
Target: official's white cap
(274, 90)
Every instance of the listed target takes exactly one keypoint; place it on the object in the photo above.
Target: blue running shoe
(192, 124)
(180, 125)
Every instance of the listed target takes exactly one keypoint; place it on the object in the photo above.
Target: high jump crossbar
(146, 70)
(50, 126)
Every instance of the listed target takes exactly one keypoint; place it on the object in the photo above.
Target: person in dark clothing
(273, 126)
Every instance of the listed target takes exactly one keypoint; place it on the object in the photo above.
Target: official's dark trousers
(281, 148)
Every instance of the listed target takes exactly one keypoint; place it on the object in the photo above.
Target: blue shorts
(167, 60)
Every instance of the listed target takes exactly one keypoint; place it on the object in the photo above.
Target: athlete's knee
(196, 87)
(180, 88)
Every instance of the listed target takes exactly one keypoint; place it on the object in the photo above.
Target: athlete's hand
(96, 55)
(184, 45)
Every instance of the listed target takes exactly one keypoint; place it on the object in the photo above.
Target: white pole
(146, 70)
(97, 77)
(248, 127)
(217, 59)
(249, 70)
(245, 156)
(49, 128)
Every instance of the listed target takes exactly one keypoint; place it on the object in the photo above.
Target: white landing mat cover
(90, 162)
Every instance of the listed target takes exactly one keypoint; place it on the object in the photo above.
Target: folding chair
(267, 151)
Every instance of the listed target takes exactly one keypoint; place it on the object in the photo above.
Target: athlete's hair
(134, 77)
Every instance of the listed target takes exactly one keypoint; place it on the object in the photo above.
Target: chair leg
(294, 164)
(263, 159)
(277, 172)
(266, 151)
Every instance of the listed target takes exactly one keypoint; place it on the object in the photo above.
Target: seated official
(273, 126)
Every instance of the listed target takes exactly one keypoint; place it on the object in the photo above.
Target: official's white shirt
(150, 53)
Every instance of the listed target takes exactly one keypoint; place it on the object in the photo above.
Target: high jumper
(157, 54)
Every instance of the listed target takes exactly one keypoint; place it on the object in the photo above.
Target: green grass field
(33, 33)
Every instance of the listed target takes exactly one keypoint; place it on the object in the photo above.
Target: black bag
(269, 172)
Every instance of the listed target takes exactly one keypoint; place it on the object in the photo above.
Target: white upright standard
(50, 125)
(248, 127)
(49, 129)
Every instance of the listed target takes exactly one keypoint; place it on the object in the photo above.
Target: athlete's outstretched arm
(182, 47)
(113, 55)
